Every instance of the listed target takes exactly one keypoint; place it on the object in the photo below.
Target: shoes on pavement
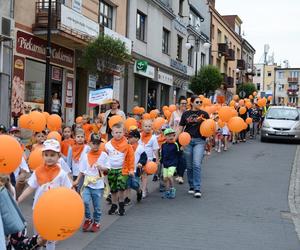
(197, 194)
(127, 201)
(86, 225)
(191, 191)
(166, 195)
(177, 178)
(144, 194)
(108, 199)
(180, 181)
(139, 195)
(95, 227)
(225, 149)
(172, 194)
(219, 150)
(113, 209)
(121, 208)
(155, 178)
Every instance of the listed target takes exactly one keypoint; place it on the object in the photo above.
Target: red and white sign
(33, 46)
(56, 74)
(69, 89)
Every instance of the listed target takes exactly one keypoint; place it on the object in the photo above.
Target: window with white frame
(294, 74)
(106, 14)
(141, 26)
(190, 56)
(165, 41)
(280, 74)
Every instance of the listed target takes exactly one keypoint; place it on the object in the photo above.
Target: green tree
(248, 88)
(104, 55)
(207, 80)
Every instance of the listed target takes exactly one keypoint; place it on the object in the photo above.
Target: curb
(294, 192)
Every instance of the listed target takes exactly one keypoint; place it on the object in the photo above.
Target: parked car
(281, 123)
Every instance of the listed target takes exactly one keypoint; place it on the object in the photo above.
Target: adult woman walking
(55, 105)
(174, 123)
(190, 122)
(114, 110)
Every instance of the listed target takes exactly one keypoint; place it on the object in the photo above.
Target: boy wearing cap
(169, 159)
(47, 176)
(91, 167)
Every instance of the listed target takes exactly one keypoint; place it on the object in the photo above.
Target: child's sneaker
(121, 208)
(86, 225)
(172, 193)
(108, 199)
(161, 187)
(139, 195)
(155, 178)
(113, 209)
(191, 191)
(166, 195)
(95, 227)
(144, 194)
(127, 201)
(180, 181)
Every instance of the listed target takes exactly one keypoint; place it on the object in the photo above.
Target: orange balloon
(153, 114)
(37, 121)
(241, 102)
(54, 135)
(233, 112)
(249, 120)
(35, 159)
(150, 168)
(164, 108)
(184, 139)
(225, 113)
(146, 116)
(135, 110)
(11, 154)
(54, 122)
(78, 120)
(236, 124)
(242, 110)
(201, 97)
(261, 102)
(232, 103)
(254, 93)
(141, 110)
(236, 98)
(248, 105)
(208, 128)
(221, 124)
(114, 120)
(24, 121)
(46, 114)
(206, 102)
(172, 108)
(270, 98)
(158, 123)
(58, 213)
(129, 123)
(167, 114)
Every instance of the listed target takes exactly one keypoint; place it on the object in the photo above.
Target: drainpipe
(126, 66)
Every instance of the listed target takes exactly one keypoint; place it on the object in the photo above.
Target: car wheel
(263, 139)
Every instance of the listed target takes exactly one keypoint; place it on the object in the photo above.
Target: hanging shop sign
(165, 78)
(142, 67)
(92, 81)
(179, 66)
(33, 46)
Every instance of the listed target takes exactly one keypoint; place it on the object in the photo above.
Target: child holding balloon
(48, 176)
(121, 160)
(93, 163)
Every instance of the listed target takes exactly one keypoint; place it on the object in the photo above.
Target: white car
(281, 123)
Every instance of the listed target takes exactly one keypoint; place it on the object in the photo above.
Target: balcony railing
(230, 82)
(293, 79)
(223, 49)
(293, 91)
(231, 55)
(241, 64)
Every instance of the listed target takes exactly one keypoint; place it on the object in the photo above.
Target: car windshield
(283, 114)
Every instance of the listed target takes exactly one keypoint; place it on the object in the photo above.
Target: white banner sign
(165, 78)
(150, 71)
(77, 5)
(101, 96)
(78, 22)
(116, 35)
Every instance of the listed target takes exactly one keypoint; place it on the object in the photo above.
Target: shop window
(141, 26)
(258, 86)
(165, 41)
(106, 15)
(139, 91)
(269, 73)
(165, 94)
(179, 47)
(190, 56)
(203, 59)
(34, 81)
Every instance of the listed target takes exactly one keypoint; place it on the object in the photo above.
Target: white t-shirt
(175, 119)
(137, 155)
(116, 158)
(23, 166)
(225, 130)
(150, 147)
(64, 165)
(88, 170)
(75, 164)
(61, 180)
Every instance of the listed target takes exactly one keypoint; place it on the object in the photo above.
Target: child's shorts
(116, 180)
(169, 172)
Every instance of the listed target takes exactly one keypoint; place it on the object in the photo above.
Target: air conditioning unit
(6, 27)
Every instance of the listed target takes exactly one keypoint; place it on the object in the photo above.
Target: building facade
(287, 86)
(6, 58)
(248, 53)
(73, 25)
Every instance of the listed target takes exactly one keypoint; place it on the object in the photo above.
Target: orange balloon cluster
(146, 116)
(129, 123)
(58, 214)
(208, 128)
(54, 122)
(150, 167)
(242, 110)
(236, 124)
(35, 121)
(138, 110)
(154, 113)
(158, 123)
(225, 113)
(172, 108)
(114, 120)
(54, 135)
(11, 154)
(262, 102)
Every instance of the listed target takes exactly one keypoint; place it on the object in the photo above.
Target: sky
(273, 22)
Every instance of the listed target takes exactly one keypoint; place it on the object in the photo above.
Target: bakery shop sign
(36, 47)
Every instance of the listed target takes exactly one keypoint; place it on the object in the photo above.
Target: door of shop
(152, 96)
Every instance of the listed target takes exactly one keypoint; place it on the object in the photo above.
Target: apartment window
(179, 48)
(294, 74)
(238, 52)
(213, 31)
(219, 63)
(141, 26)
(269, 73)
(106, 14)
(281, 87)
(237, 29)
(258, 86)
(219, 36)
(280, 75)
(258, 73)
(226, 40)
(203, 56)
(190, 56)
(293, 100)
(180, 13)
(165, 41)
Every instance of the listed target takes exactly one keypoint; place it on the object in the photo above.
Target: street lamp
(188, 46)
